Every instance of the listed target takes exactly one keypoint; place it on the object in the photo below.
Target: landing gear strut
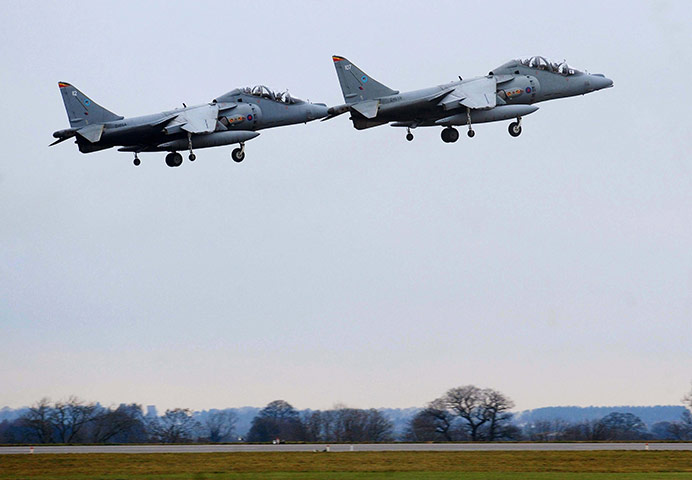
(174, 159)
(450, 135)
(136, 161)
(409, 135)
(470, 133)
(192, 156)
(238, 155)
(515, 128)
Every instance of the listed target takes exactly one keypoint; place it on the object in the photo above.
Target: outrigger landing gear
(450, 135)
(136, 161)
(409, 135)
(238, 155)
(470, 133)
(192, 156)
(515, 128)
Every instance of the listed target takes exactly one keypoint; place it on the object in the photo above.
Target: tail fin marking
(81, 110)
(356, 85)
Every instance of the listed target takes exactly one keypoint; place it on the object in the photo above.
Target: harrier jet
(508, 92)
(231, 118)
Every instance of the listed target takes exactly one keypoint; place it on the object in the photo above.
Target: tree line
(466, 413)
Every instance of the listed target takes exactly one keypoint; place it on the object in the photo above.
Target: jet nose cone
(601, 81)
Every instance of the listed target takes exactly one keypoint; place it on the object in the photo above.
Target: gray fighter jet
(508, 92)
(231, 118)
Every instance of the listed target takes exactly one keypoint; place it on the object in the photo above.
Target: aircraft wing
(200, 119)
(478, 93)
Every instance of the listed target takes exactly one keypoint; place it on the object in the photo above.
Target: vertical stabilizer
(81, 110)
(356, 85)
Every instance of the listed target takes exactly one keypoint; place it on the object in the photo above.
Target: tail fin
(356, 85)
(81, 110)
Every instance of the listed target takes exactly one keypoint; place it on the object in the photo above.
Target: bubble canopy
(542, 63)
(262, 91)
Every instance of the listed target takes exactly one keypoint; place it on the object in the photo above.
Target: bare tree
(433, 423)
(125, 423)
(37, 421)
(70, 417)
(379, 428)
(220, 425)
(485, 412)
(496, 407)
(175, 426)
(466, 402)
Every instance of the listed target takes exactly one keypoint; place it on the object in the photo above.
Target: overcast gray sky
(342, 266)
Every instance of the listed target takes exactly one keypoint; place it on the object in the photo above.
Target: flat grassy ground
(603, 465)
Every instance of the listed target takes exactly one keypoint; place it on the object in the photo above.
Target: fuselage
(517, 84)
(239, 110)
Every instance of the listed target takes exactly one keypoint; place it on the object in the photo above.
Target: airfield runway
(364, 447)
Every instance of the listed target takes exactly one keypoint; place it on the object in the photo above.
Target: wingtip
(337, 58)
(63, 84)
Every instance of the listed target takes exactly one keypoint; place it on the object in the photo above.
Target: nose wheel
(409, 135)
(238, 155)
(136, 161)
(192, 156)
(470, 133)
(515, 128)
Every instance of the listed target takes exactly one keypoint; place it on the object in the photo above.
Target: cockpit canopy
(541, 63)
(264, 92)
(259, 91)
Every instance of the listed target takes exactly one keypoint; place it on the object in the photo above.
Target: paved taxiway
(362, 447)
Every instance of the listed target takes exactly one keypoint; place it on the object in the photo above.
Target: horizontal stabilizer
(91, 133)
(368, 108)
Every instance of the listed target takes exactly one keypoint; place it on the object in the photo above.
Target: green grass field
(605, 465)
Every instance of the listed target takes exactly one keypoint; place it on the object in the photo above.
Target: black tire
(453, 135)
(192, 157)
(514, 129)
(137, 162)
(409, 137)
(174, 159)
(238, 155)
(471, 133)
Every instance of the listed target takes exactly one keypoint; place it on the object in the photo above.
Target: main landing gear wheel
(174, 159)
(238, 155)
(192, 157)
(471, 133)
(450, 135)
(514, 129)
(136, 161)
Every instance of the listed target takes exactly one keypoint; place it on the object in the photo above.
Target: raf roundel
(249, 117)
(364, 78)
(86, 101)
(528, 89)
